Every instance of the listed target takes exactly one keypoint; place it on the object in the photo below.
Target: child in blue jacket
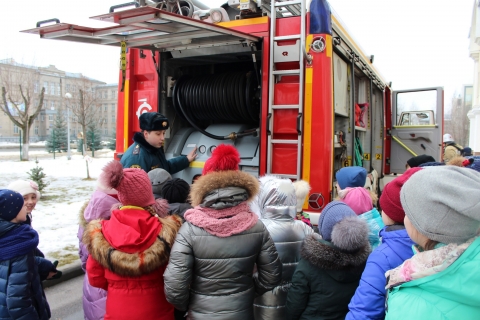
(368, 302)
(21, 292)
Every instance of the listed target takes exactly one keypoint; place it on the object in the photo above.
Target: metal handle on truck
(128, 4)
(39, 23)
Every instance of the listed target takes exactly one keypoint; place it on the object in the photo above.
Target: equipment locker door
(417, 126)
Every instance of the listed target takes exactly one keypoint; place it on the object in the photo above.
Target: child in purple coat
(101, 201)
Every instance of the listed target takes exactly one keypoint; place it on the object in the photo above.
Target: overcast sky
(416, 43)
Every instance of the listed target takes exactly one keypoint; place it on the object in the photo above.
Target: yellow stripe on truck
(197, 164)
(244, 22)
(307, 127)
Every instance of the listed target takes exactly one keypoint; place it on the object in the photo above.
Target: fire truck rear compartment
(210, 96)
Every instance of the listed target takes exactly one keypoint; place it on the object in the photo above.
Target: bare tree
(22, 99)
(84, 104)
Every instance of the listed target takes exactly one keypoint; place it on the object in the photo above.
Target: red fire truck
(282, 81)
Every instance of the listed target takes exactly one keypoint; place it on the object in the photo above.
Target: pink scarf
(222, 223)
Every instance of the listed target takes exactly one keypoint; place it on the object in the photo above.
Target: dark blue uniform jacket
(143, 155)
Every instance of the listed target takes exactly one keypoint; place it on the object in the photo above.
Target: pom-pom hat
(11, 203)
(302, 188)
(132, 184)
(333, 213)
(225, 157)
(25, 187)
(340, 225)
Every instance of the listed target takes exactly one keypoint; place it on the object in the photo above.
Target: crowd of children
(231, 246)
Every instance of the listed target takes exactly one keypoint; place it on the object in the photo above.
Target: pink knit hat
(357, 198)
(132, 184)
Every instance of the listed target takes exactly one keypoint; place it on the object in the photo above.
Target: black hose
(227, 97)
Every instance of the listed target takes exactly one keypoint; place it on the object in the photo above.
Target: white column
(474, 116)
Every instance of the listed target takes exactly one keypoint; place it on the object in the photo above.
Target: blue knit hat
(11, 202)
(351, 177)
(333, 213)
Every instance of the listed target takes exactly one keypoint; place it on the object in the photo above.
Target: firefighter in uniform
(452, 149)
(147, 150)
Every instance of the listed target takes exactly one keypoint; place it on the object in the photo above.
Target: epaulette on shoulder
(136, 150)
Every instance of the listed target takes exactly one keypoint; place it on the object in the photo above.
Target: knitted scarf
(426, 263)
(222, 223)
(18, 242)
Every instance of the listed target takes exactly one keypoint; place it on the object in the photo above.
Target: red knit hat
(133, 185)
(390, 199)
(225, 157)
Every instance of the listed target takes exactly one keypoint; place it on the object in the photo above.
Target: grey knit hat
(158, 177)
(443, 203)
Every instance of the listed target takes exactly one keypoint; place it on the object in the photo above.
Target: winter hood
(276, 199)
(132, 242)
(324, 255)
(99, 206)
(212, 183)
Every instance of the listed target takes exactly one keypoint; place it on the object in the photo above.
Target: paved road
(65, 299)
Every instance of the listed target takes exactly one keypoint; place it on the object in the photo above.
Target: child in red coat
(129, 252)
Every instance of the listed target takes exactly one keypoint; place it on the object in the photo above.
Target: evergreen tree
(36, 174)
(58, 135)
(94, 132)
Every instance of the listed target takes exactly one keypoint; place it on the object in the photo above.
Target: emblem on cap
(164, 123)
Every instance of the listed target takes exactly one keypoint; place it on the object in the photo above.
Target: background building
(57, 83)
(474, 48)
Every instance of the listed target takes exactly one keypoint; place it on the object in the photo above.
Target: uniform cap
(153, 121)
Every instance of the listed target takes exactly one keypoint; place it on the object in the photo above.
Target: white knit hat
(302, 188)
(25, 187)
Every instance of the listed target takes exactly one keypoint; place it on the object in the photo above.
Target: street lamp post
(68, 96)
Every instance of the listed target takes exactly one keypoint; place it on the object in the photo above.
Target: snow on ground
(55, 217)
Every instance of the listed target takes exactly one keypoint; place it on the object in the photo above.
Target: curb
(69, 271)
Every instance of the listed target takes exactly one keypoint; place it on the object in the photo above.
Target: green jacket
(451, 294)
(324, 280)
(142, 155)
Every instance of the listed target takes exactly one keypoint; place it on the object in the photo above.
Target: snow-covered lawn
(56, 215)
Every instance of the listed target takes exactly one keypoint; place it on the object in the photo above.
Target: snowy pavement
(55, 217)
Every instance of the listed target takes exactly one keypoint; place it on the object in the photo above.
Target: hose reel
(226, 97)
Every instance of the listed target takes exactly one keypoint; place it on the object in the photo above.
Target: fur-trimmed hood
(81, 218)
(324, 255)
(134, 264)
(223, 179)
